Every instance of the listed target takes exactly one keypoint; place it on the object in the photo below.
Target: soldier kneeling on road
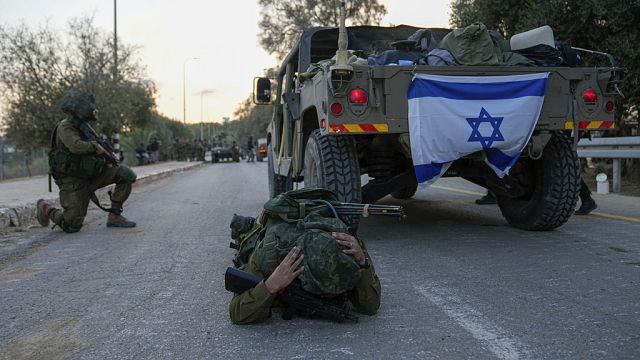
(80, 164)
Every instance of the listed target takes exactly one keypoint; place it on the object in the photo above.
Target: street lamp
(202, 94)
(184, 88)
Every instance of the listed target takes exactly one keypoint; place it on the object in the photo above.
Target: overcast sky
(221, 34)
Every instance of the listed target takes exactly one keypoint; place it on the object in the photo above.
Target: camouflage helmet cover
(80, 106)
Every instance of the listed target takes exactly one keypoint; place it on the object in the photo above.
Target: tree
(284, 20)
(604, 25)
(38, 68)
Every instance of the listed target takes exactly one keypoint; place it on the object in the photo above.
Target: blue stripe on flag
(427, 172)
(477, 91)
(500, 160)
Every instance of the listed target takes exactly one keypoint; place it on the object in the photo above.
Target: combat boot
(43, 210)
(587, 206)
(115, 218)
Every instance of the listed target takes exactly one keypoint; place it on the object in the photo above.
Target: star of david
(495, 122)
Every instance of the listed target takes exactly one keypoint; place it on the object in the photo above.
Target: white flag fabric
(454, 116)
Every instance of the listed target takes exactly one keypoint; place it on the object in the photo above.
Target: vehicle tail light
(336, 108)
(358, 96)
(589, 96)
(609, 106)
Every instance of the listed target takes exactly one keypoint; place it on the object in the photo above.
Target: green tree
(604, 25)
(38, 68)
(284, 20)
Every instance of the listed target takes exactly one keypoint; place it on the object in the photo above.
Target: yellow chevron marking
(355, 128)
(381, 127)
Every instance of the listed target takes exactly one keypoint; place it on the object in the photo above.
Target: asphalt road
(458, 283)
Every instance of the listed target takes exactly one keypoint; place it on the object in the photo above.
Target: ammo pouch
(63, 163)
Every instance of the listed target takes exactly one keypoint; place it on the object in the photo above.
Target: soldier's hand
(352, 246)
(286, 272)
(100, 150)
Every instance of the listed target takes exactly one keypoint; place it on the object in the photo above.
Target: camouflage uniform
(74, 194)
(255, 305)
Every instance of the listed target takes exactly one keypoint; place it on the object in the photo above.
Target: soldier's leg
(74, 200)
(123, 177)
(587, 204)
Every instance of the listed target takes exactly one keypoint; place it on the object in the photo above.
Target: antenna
(341, 72)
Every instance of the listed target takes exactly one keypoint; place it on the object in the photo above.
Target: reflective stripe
(591, 125)
(358, 128)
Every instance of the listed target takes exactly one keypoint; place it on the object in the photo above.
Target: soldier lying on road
(255, 304)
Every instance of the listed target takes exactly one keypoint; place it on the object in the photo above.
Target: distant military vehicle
(262, 149)
(344, 120)
(222, 151)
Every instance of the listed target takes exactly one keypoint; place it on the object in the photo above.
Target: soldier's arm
(253, 305)
(71, 138)
(365, 297)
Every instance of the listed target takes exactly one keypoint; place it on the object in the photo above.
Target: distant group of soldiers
(184, 150)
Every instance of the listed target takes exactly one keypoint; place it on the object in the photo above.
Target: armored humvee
(345, 120)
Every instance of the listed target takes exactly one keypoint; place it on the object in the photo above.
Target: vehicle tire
(405, 192)
(555, 179)
(331, 162)
(277, 183)
(215, 158)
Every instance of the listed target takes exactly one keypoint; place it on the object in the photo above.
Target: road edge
(22, 217)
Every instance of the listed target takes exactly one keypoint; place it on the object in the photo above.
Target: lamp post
(184, 88)
(116, 133)
(202, 94)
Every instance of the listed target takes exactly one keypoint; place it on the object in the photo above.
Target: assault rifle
(300, 301)
(109, 157)
(91, 135)
(242, 224)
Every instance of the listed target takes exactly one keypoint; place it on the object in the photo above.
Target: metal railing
(615, 148)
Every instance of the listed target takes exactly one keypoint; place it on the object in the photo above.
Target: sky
(169, 33)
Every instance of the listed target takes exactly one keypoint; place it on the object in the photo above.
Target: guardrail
(616, 148)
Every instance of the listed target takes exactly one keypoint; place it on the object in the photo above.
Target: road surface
(458, 282)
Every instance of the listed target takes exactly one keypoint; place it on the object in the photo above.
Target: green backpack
(301, 218)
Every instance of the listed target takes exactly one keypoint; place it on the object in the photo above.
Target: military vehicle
(345, 120)
(262, 149)
(222, 151)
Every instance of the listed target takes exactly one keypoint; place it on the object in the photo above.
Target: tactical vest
(63, 163)
(302, 218)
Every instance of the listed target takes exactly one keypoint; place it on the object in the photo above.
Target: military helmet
(81, 106)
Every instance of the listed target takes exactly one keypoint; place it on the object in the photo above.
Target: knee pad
(127, 175)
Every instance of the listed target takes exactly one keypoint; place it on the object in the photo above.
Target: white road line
(496, 339)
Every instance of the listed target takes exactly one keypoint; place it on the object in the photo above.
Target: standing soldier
(79, 168)
(250, 153)
(201, 150)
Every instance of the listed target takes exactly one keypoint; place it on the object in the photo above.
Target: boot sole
(42, 219)
(121, 225)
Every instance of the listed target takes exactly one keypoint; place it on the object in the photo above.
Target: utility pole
(116, 132)
(1, 158)
(115, 41)
(184, 89)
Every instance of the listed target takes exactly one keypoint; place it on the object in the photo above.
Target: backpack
(303, 218)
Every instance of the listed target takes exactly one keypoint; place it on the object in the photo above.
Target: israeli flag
(454, 116)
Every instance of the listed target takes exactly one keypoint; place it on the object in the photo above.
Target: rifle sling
(95, 200)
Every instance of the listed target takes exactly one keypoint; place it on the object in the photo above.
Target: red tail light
(336, 108)
(589, 96)
(609, 106)
(358, 96)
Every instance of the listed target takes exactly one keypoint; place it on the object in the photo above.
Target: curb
(24, 216)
